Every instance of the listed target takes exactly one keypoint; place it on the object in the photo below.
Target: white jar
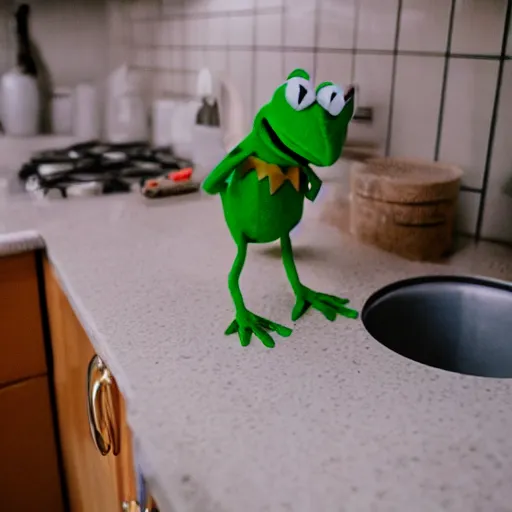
(20, 104)
(86, 115)
(62, 111)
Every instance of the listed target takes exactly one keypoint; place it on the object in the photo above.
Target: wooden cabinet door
(21, 336)
(93, 480)
(29, 475)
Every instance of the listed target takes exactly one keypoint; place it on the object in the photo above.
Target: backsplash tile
(478, 26)
(497, 220)
(217, 34)
(269, 74)
(269, 28)
(416, 106)
(304, 60)
(299, 23)
(336, 23)
(424, 25)
(240, 30)
(467, 213)
(375, 73)
(471, 87)
(376, 24)
(336, 67)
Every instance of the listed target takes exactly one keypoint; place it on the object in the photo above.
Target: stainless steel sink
(459, 324)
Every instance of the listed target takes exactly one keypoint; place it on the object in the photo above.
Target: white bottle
(127, 118)
(19, 93)
(20, 104)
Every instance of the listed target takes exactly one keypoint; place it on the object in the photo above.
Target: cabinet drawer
(21, 338)
(29, 476)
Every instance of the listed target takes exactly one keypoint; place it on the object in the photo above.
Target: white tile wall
(470, 91)
(336, 23)
(478, 26)
(334, 67)
(497, 222)
(299, 23)
(467, 212)
(240, 30)
(376, 24)
(416, 106)
(269, 29)
(424, 25)
(241, 73)
(269, 74)
(509, 43)
(374, 73)
(262, 4)
(217, 31)
(303, 60)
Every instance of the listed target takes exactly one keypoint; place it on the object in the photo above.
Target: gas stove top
(98, 168)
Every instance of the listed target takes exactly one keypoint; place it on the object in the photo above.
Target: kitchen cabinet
(30, 478)
(98, 462)
(95, 481)
(22, 351)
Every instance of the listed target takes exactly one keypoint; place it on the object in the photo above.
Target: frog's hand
(314, 183)
(215, 182)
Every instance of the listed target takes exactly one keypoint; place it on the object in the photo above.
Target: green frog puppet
(263, 182)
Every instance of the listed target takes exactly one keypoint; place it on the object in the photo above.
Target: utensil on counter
(19, 93)
(171, 184)
(405, 206)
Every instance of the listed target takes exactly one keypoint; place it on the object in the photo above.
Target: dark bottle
(25, 60)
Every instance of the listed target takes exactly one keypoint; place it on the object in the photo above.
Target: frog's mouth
(279, 144)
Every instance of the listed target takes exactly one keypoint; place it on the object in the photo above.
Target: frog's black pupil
(302, 93)
(333, 95)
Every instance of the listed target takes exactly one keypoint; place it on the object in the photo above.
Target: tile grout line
(357, 7)
(494, 119)
(393, 77)
(356, 51)
(253, 63)
(316, 36)
(444, 84)
(208, 14)
(284, 10)
(473, 190)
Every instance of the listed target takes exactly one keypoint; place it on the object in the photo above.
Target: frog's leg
(246, 323)
(329, 305)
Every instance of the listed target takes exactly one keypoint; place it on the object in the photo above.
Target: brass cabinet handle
(103, 407)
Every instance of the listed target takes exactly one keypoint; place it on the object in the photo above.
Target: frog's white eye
(300, 93)
(331, 98)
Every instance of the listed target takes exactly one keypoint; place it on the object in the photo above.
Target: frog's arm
(215, 182)
(314, 183)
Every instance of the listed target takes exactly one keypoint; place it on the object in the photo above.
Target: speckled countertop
(329, 420)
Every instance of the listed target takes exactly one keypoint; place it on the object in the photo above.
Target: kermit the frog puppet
(263, 182)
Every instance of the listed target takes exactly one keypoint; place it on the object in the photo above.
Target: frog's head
(304, 124)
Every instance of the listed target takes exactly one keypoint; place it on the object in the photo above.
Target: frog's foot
(246, 324)
(329, 305)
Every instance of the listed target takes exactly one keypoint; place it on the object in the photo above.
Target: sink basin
(459, 324)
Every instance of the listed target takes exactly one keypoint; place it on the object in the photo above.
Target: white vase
(20, 104)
